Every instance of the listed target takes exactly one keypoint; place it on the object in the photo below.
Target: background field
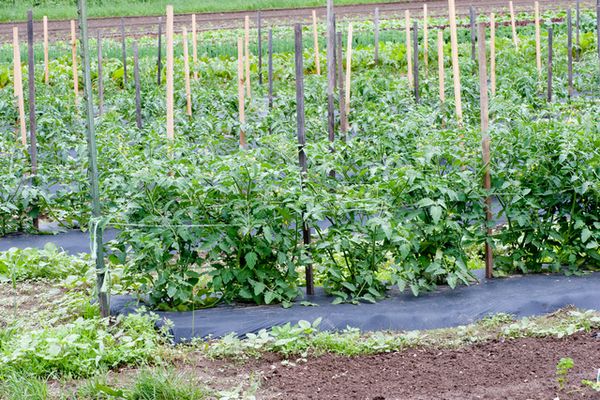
(16, 10)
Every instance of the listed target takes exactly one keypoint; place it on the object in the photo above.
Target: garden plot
(250, 166)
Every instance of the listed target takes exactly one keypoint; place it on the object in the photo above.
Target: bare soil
(514, 369)
(147, 25)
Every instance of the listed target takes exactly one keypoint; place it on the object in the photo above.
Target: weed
(563, 367)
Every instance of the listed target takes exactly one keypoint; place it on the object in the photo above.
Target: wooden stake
(330, 71)
(549, 64)
(97, 228)
(170, 118)
(455, 65)
(513, 24)
(485, 145)
(186, 69)
(577, 28)
(570, 54)
(598, 29)
(348, 69)
(159, 52)
(342, 90)
(124, 51)
(441, 69)
(472, 18)
(270, 68)
(259, 29)
(493, 53)
(376, 32)
(301, 143)
(425, 38)
(100, 79)
(416, 63)
(247, 55)
(538, 50)
(241, 101)
(18, 85)
(32, 116)
(136, 78)
(316, 42)
(194, 47)
(46, 60)
(409, 73)
(74, 63)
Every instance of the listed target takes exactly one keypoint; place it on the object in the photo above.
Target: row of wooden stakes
(244, 55)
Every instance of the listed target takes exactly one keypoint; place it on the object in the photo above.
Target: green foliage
(23, 386)
(47, 263)
(563, 367)
(204, 221)
(149, 384)
(81, 347)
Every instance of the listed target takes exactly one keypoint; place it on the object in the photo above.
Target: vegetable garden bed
(203, 220)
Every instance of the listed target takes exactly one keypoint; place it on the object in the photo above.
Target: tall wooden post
(316, 42)
(124, 51)
(425, 38)
(330, 71)
(513, 24)
(136, 78)
(186, 71)
(472, 18)
(100, 78)
(247, 55)
(46, 61)
(416, 63)
(348, 70)
(549, 98)
(570, 53)
(598, 29)
(259, 29)
(538, 50)
(194, 47)
(342, 90)
(170, 118)
(74, 63)
(485, 145)
(577, 29)
(18, 85)
(96, 230)
(376, 33)
(159, 52)
(455, 65)
(301, 143)
(270, 67)
(441, 69)
(493, 53)
(409, 73)
(32, 116)
(241, 99)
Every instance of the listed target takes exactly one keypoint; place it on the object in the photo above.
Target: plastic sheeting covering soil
(518, 295)
(72, 241)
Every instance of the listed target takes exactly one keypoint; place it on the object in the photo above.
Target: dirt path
(60, 30)
(516, 369)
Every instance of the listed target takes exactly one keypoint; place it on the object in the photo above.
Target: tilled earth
(147, 25)
(513, 369)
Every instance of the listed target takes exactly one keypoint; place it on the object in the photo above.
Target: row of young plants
(204, 221)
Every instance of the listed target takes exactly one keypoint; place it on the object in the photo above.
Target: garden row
(205, 220)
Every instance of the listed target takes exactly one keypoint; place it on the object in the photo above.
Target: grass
(16, 10)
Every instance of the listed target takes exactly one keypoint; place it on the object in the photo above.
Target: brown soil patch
(26, 301)
(514, 369)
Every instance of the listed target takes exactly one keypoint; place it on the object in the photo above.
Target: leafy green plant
(80, 348)
(47, 263)
(563, 367)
